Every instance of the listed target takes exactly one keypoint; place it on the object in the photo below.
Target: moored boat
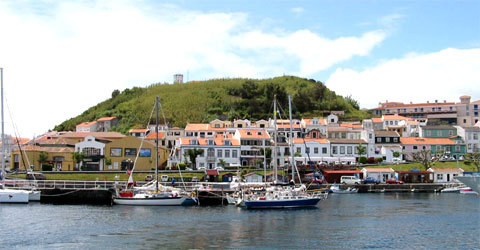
(336, 189)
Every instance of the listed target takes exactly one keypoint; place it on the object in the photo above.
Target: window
(457, 148)
(439, 133)
(475, 113)
(370, 136)
(416, 109)
(439, 176)
(145, 152)
(379, 139)
(342, 149)
(314, 135)
(219, 153)
(450, 133)
(324, 150)
(415, 147)
(115, 165)
(130, 152)
(464, 120)
(57, 158)
(211, 152)
(315, 150)
(91, 151)
(227, 153)
(211, 142)
(349, 150)
(421, 109)
(396, 122)
(395, 139)
(475, 107)
(429, 133)
(334, 150)
(433, 109)
(475, 136)
(388, 110)
(451, 108)
(299, 150)
(439, 108)
(234, 154)
(307, 150)
(217, 125)
(387, 139)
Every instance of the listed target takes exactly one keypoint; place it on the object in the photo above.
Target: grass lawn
(408, 166)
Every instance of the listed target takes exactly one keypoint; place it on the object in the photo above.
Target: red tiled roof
(426, 141)
(212, 172)
(103, 119)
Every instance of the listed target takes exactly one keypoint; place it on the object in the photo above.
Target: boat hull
(34, 195)
(472, 182)
(293, 203)
(13, 196)
(155, 201)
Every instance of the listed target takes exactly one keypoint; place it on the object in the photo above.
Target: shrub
(182, 166)
(47, 167)
(371, 160)
(379, 160)
(362, 160)
(467, 162)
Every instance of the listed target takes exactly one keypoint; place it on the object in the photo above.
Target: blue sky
(372, 50)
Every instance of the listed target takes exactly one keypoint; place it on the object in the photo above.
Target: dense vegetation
(203, 101)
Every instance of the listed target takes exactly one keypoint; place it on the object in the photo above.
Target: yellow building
(122, 153)
(59, 157)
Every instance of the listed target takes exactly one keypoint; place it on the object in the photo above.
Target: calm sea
(351, 221)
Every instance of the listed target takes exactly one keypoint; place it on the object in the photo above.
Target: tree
(42, 158)
(115, 93)
(268, 155)
(222, 162)
(396, 154)
(361, 149)
(77, 158)
(427, 158)
(474, 158)
(192, 155)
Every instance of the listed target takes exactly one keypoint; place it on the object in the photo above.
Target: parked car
(149, 177)
(370, 180)
(219, 168)
(350, 180)
(164, 178)
(35, 176)
(201, 168)
(393, 181)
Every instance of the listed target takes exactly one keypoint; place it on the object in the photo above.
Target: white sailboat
(153, 193)
(281, 196)
(8, 195)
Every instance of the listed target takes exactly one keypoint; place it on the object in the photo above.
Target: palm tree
(192, 154)
(42, 157)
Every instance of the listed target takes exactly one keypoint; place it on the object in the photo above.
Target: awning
(212, 172)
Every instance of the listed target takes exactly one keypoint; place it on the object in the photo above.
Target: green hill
(203, 101)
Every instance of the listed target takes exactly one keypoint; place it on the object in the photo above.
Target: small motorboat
(467, 190)
(450, 190)
(336, 189)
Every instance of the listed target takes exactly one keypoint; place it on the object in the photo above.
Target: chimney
(444, 101)
(428, 101)
(410, 102)
(436, 101)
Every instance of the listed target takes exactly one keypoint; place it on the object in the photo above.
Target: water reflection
(404, 220)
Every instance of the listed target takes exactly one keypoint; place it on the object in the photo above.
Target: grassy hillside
(202, 101)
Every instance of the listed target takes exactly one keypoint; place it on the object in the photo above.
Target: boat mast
(3, 132)
(156, 145)
(275, 170)
(291, 137)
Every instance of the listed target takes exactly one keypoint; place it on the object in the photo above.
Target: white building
(253, 177)
(314, 150)
(94, 152)
(380, 174)
(442, 175)
(87, 127)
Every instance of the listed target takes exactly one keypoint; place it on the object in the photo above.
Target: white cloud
(443, 75)
(62, 58)
(297, 10)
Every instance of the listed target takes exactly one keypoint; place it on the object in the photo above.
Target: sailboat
(8, 195)
(281, 196)
(153, 193)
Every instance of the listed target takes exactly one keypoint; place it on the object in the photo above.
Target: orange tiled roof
(219, 141)
(395, 117)
(49, 149)
(288, 125)
(153, 135)
(202, 127)
(94, 134)
(106, 118)
(253, 134)
(420, 104)
(86, 124)
(376, 120)
(426, 141)
(300, 140)
(138, 130)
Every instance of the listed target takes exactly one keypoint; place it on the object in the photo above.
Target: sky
(62, 57)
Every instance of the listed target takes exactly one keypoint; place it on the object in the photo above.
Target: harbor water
(351, 221)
